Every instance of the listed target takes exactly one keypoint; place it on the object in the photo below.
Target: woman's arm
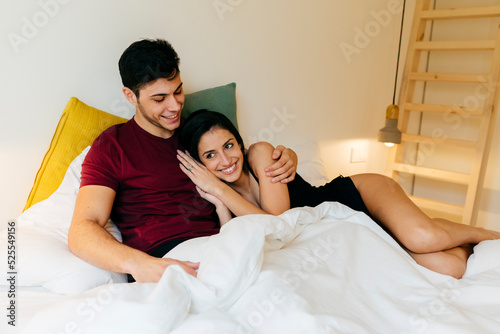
(222, 211)
(274, 197)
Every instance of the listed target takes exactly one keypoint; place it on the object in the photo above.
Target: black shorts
(340, 189)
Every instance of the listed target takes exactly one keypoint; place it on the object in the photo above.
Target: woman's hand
(200, 175)
(222, 211)
(207, 184)
(210, 198)
(285, 168)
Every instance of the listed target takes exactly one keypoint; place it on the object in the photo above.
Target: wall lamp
(390, 133)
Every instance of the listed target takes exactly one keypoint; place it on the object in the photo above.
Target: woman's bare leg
(452, 262)
(433, 243)
(388, 203)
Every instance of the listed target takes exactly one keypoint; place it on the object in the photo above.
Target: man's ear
(130, 95)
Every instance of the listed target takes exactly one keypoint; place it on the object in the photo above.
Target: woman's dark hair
(200, 122)
(145, 61)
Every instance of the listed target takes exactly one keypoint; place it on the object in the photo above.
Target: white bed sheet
(28, 301)
(327, 269)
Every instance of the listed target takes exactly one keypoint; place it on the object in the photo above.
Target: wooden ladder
(413, 80)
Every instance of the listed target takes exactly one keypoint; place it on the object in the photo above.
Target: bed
(326, 269)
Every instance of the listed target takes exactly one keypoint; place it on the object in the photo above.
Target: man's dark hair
(202, 121)
(145, 61)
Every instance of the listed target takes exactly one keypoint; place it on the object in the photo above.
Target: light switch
(358, 155)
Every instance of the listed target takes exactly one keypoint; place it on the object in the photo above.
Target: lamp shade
(390, 132)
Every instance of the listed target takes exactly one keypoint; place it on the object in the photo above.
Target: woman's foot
(493, 234)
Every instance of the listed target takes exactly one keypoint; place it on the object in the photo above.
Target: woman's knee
(424, 238)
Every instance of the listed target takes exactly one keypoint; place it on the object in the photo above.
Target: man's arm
(89, 240)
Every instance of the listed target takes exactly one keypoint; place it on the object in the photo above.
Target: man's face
(158, 109)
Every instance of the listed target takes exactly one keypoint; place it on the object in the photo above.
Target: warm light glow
(390, 132)
(389, 144)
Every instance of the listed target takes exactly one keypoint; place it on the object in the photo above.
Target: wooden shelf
(441, 141)
(449, 77)
(432, 173)
(444, 109)
(439, 206)
(455, 45)
(460, 13)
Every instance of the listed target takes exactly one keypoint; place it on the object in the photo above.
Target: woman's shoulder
(260, 148)
(260, 152)
(259, 156)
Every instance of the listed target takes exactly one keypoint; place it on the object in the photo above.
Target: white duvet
(327, 269)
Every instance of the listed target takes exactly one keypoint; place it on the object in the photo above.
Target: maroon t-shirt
(155, 201)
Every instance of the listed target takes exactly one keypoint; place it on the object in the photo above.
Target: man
(132, 175)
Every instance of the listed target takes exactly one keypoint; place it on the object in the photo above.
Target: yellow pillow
(78, 126)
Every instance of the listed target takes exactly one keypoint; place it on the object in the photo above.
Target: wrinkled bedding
(327, 269)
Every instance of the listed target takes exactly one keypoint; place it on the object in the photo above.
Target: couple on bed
(158, 196)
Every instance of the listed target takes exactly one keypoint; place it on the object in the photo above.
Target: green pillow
(221, 99)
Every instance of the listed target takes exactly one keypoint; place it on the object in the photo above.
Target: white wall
(329, 65)
(285, 56)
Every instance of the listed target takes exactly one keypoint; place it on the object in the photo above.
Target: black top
(340, 189)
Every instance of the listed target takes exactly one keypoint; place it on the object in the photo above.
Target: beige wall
(327, 65)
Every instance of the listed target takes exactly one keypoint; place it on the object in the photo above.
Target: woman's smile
(230, 170)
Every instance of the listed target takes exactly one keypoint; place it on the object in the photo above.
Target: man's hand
(285, 168)
(151, 271)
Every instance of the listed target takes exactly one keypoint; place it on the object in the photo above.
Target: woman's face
(220, 153)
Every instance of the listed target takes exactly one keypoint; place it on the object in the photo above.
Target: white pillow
(43, 256)
(484, 258)
(311, 166)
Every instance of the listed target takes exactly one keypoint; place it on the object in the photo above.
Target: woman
(236, 183)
